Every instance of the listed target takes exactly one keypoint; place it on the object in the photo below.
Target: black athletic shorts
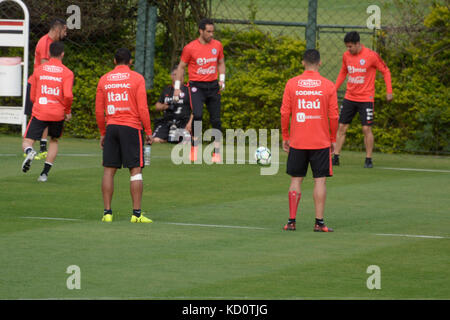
(320, 160)
(123, 146)
(349, 109)
(36, 127)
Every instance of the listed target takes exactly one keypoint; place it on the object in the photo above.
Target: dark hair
(55, 23)
(311, 56)
(123, 56)
(56, 49)
(352, 36)
(202, 24)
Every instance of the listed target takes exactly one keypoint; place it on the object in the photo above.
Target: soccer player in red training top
(52, 98)
(58, 31)
(121, 95)
(309, 121)
(204, 58)
(361, 65)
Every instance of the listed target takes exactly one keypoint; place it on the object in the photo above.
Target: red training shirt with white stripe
(361, 69)
(309, 112)
(122, 96)
(202, 59)
(51, 91)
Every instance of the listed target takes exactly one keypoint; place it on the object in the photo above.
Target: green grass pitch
(217, 230)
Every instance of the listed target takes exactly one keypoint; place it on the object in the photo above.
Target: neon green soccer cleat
(107, 218)
(141, 219)
(41, 155)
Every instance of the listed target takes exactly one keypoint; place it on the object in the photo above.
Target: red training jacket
(122, 96)
(309, 112)
(51, 91)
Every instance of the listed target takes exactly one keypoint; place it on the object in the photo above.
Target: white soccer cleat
(26, 164)
(42, 178)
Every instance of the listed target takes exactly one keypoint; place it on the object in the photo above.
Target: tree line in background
(416, 50)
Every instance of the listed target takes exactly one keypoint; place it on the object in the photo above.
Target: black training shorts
(349, 109)
(123, 146)
(36, 127)
(320, 160)
(206, 93)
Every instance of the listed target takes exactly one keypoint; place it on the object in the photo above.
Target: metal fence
(322, 23)
(325, 21)
(99, 26)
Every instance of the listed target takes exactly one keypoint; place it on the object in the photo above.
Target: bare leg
(45, 133)
(159, 140)
(368, 140)
(320, 195)
(136, 188)
(108, 186)
(27, 143)
(340, 139)
(52, 151)
(296, 184)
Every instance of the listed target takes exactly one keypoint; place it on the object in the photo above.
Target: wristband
(177, 85)
(222, 77)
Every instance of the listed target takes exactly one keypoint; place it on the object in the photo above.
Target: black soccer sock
(43, 145)
(107, 211)
(368, 159)
(47, 167)
(137, 212)
(319, 222)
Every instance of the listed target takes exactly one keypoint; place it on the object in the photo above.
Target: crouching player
(52, 98)
(122, 97)
(310, 109)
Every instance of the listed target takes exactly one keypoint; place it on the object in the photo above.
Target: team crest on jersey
(51, 68)
(118, 76)
(309, 83)
(362, 62)
(194, 89)
(214, 51)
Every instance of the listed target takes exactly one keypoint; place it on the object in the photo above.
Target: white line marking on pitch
(412, 169)
(241, 227)
(48, 218)
(212, 225)
(175, 223)
(410, 236)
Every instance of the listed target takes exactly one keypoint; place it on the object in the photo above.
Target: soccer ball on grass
(263, 156)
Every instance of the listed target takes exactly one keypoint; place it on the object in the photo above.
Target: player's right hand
(102, 141)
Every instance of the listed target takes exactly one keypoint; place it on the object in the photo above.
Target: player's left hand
(148, 139)
(102, 141)
(68, 117)
(286, 145)
(221, 85)
(389, 97)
